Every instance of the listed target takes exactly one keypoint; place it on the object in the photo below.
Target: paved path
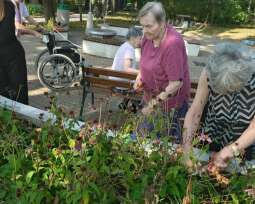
(70, 100)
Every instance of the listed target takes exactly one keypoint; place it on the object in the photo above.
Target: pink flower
(205, 138)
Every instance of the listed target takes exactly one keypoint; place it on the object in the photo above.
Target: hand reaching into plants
(250, 192)
(147, 110)
(186, 156)
(138, 86)
(215, 172)
(221, 158)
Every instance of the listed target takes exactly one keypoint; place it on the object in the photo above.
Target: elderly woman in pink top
(164, 75)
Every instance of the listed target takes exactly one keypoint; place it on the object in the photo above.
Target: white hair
(231, 67)
(156, 8)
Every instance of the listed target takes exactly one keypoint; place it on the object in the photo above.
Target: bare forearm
(247, 138)
(191, 125)
(23, 30)
(131, 70)
(194, 114)
(171, 89)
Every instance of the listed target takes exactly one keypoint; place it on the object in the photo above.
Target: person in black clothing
(13, 70)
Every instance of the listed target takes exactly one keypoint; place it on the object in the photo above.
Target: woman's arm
(245, 140)
(128, 66)
(23, 30)
(138, 86)
(171, 89)
(193, 116)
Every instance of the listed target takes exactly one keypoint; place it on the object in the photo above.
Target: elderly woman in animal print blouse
(226, 96)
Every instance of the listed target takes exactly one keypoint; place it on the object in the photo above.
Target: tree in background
(49, 9)
(211, 11)
(223, 12)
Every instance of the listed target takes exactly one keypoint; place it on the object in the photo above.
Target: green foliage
(35, 9)
(49, 26)
(56, 165)
(222, 12)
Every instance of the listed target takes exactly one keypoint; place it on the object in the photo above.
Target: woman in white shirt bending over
(124, 59)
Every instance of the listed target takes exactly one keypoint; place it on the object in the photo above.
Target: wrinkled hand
(147, 110)
(251, 192)
(162, 96)
(221, 158)
(37, 34)
(186, 153)
(138, 86)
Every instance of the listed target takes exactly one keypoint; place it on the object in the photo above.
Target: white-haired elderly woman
(164, 72)
(226, 96)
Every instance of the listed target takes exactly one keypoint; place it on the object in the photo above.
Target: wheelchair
(58, 66)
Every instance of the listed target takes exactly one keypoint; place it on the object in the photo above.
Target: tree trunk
(49, 9)
(212, 11)
(113, 6)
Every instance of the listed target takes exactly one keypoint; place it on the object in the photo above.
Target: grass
(228, 32)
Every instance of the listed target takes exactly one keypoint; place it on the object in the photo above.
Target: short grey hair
(134, 32)
(230, 68)
(156, 8)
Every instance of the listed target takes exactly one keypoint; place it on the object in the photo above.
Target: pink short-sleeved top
(165, 63)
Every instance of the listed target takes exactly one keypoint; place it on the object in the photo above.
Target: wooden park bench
(102, 78)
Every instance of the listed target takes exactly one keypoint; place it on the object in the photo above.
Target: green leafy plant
(101, 164)
(50, 25)
(35, 9)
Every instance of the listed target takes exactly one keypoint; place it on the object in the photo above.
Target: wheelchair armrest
(65, 45)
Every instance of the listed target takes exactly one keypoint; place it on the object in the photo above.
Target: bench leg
(84, 95)
(92, 98)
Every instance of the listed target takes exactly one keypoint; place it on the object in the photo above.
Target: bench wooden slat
(109, 72)
(108, 82)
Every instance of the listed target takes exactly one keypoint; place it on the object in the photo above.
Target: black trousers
(13, 72)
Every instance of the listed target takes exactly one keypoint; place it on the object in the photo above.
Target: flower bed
(102, 164)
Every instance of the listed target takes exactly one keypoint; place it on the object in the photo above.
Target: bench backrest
(99, 77)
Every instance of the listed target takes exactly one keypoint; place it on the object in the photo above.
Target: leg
(92, 98)
(3, 82)
(16, 72)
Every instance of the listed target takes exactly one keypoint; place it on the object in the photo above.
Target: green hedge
(35, 9)
(221, 12)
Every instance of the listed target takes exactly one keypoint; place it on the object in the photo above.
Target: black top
(7, 25)
(229, 115)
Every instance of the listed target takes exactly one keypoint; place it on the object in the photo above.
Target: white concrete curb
(35, 115)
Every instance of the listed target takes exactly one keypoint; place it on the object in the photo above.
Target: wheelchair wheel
(56, 72)
(42, 55)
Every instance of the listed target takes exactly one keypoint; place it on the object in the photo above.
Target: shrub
(35, 9)
(99, 165)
